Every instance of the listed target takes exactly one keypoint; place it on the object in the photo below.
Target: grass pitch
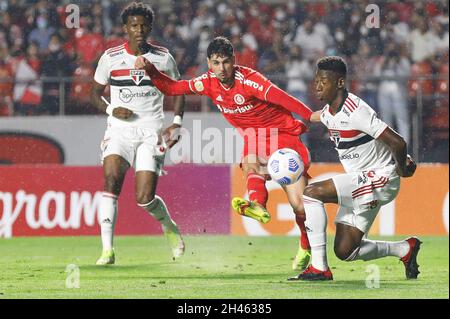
(213, 267)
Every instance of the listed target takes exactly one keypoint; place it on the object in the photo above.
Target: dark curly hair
(138, 9)
(334, 64)
(220, 46)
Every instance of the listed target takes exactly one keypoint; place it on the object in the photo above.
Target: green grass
(213, 267)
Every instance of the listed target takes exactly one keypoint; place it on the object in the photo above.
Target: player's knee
(112, 183)
(143, 198)
(298, 208)
(313, 191)
(343, 252)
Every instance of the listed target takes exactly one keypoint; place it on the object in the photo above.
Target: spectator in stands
(6, 84)
(364, 64)
(57, 65)
(28, 88)
(116, 37)
(420, 39)
(392, 92)
(311, 40)
(244, 54)
(42, 33)
(272, 60)
(440, 36)
(400, 28)
(204, 17)
(299, 72)
(90, 42)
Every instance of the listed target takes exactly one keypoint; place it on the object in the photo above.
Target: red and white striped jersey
(132, 88)
(354, 129)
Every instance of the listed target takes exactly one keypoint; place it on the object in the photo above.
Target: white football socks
(316, 227)
(158, 209)
(108, 217)
(371, 249)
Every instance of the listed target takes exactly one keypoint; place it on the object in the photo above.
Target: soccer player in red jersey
(262, 114)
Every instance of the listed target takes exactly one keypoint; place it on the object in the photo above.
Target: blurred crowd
(399, 67)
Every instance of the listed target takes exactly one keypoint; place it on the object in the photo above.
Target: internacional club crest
(239, 99)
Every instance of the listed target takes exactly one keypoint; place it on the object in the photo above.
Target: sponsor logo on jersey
(254, 85)
(239, 99)
(199, 86)
(126, 95)
(115, 54)
(349, 156)
(201, 77)
(137, 75)
(238, 110)
(219, 98)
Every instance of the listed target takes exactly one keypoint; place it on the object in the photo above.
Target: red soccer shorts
(263, 146)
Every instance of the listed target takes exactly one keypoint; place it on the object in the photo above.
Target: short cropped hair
(334, 64)
(138, 9)
(220, 46)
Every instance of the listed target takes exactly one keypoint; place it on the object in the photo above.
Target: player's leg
(354, 222)
(114, 170)
(146, 182)
(314, 197)
(350, 245)
(149, 162)
(294, 194)
(255, 207)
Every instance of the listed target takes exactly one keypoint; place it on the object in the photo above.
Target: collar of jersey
(342, 103)
(127, 48)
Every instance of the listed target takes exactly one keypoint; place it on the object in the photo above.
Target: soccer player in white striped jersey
(374, 157)
(134, 130)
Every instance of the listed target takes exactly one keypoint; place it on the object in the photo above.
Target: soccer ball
(285, 166)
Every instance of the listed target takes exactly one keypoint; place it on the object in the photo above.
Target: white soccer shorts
(361, 195)
(138, 146)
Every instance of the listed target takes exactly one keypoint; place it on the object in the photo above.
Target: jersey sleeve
(264, 90)
(366, 120)
(322, 115)
(201, 84)
(102, 71)
(171, 67)
(260, 86)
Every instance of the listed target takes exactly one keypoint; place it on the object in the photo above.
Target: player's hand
(122, 113)
(141, 63)
(409, 167)
(172, 135)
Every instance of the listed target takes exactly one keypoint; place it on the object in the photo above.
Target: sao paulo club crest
(137, 75)
(335, 136)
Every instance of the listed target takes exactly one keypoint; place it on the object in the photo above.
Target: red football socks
(304, 242)
(256, 187)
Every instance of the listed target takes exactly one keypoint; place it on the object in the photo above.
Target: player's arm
(101, 78)
(172, 133)
(273, 94)
(405, 164)
(164, 83)
(277, 96)
(315, 117)
(101, 104)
